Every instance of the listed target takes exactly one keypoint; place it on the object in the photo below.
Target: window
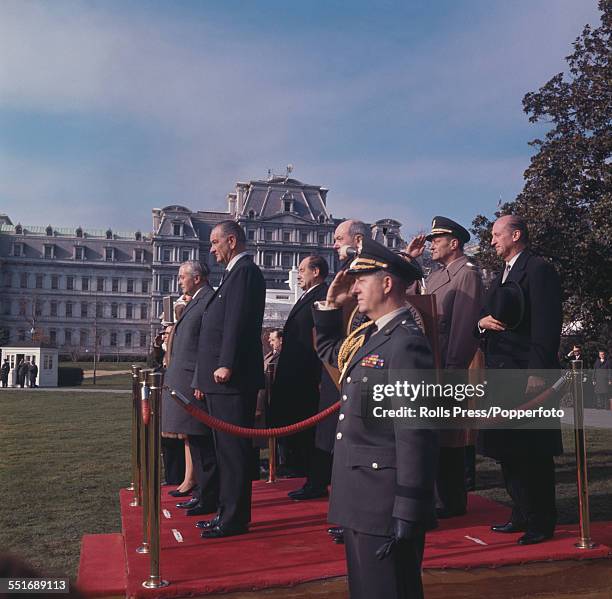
(70, 283)
(321, 218)
(53, 309)
(303, 237)
(54, 282)
(85, 283)
(37, 306)
(251, 235)
(287, 205)
(143, 340)
(185, 255)
(268, 236)
(52, 338)
(68, 337)
(145, 285)
(114, 310)
(138, 256)
(68, 309)
(128, 339)
(129, 310)
(115, 285)
(166, 284)
(18, 249)
(130, 285)
(138, 236)
(79, 253)
(20, 335)
(48, 253)
(22, 307)
(23, 279)
(48, 360)
(177, 229)
(84, 310)
(109, 254)
(39, 281)
(286, 235)
(268, 259)
(8, 279)
(144, 311)
(166, 255)
(109, 234)
(113, 339)
(79, 232)
(321, 239)
(100, 284)
(49, 231)
(251, 213)
(287, 260)
(99, 310)
(84, 337)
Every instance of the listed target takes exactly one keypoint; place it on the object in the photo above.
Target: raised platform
(288, 546)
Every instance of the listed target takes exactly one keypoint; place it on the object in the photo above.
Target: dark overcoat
(602, 376)
(381, 470)
(181, 366)
(532, 345)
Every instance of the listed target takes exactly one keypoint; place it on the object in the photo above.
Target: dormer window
(79, 252)
(321, 218)
(109, 254)
(287, 205)
(49, 231)
(49, 251)
(138, 236)
(18, 249)
(138, 255)
(177, 229)
(18, 229)
(109, 234)
(79, 232)
(251, 213)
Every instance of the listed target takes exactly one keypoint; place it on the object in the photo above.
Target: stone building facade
(83, 289)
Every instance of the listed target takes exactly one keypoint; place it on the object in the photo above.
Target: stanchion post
(585, 541)
(272, 460)
(143, 405)
(155, 383)
(135, 486)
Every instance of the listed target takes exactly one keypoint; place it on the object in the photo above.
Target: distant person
(22, 372)
(33, 373)
(602, 380)
(4, 372)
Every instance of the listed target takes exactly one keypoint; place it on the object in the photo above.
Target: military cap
(441, 225)
(374, 256)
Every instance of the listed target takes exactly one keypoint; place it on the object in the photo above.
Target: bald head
(349, 233)
(509, 236)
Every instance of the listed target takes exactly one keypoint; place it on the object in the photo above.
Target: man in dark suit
(4, 373)
(532, 343)
(33, 373)
(193, 280)
(383, 473)
(458, 289)
(602, 380)
(296, 391)
(230, 372)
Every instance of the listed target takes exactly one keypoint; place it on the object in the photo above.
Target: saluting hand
(416, 247)
(339, 292)
(222, 375)
(491, 324)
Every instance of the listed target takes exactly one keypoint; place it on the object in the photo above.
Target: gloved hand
(403, 530)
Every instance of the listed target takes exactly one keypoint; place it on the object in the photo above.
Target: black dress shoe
(202, 509)
(531, 538)
(208, 523)
(508, 527)
(177, 493)
(335, 531)
(307, 493)
(220, 531)
(186, 505)
(443, 513)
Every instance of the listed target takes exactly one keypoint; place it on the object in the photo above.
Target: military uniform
(382, 471)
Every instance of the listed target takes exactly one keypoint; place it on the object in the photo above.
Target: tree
(567, 197)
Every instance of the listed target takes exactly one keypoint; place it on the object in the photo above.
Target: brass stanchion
(143, 405)
(135, 486)
(155, 382)
(585, 541)
(272, 460)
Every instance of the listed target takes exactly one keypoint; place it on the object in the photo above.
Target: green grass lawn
(102, 365)
(112, 381)
(66, 455)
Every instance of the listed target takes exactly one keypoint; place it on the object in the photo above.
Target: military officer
(383, 473)
(458, 289)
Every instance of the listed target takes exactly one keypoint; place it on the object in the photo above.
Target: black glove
(403, 530)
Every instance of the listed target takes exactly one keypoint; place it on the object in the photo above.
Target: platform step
(102, 567)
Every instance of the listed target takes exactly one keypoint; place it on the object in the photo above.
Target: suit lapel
(517, 271)
(308, 299)
(436, 280)
(227, 277)
(189, 305)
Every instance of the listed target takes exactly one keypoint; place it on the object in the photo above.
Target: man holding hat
(458, 288)
(383, 474)
(521, 325)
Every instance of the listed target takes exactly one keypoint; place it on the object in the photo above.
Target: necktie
(506, 272)
(223, 277)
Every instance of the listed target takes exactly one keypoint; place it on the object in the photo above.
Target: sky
(402, 109)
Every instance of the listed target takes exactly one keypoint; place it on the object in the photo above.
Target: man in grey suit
(181, 366)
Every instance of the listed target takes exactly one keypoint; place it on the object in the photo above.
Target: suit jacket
(181, 360)
(533, 345)
(230, 333)
(295, 392)
(381, 469)
(602, 376)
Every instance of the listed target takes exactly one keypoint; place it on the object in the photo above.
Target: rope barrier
(242, 431)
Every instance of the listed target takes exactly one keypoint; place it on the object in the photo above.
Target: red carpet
(288, 544)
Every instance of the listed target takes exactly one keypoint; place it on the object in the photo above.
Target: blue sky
(402, 109)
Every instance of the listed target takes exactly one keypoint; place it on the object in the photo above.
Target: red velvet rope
(242, 431)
